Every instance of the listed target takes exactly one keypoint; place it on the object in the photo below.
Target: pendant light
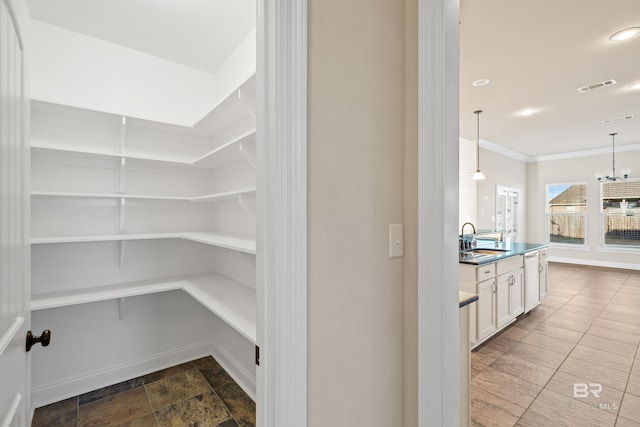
(613, 178)
(478, 175)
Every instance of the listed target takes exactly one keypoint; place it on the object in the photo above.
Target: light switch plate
(396, 242)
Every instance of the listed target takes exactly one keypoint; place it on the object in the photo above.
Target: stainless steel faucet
(466, 244)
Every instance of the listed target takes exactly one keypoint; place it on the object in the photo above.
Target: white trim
(618, 249)
(10, 333)
(597, 263)
(245, 379)
(11, 413)
(438, 90)
(86, 382)
(282, 213)
(585, 153)
(487, 145)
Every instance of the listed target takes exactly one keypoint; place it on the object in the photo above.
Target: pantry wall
(143, 183)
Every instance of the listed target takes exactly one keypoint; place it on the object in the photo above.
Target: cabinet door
(502, 299)
(516, 293)
(486, 308)
(544, 279)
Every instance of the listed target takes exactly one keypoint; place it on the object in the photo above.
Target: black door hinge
(257, 355)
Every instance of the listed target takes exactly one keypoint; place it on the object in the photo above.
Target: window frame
(608, 247)
(579, 246)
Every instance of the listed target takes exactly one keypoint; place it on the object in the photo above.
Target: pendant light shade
(478, 176)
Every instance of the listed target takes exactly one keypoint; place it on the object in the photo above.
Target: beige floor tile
(562, 333)
(615, 361)
(562, 314)
(570, 411)
(526, 324)
(623, 337)
(524, 369)
(609, 345)
(630, 407)
(498, 343)
(595, 372)
(567, 324)
(508, 387)
(488, 409)
(633, 386)
(549, 343)
(514, 333)
(540, 313)
(578, 306)
(534, 354)
(617, 326)
(591, 300)
(619, 317)
(627, 310)
(625, 422)
(608, 398)
(552, 304)
(482, 359)
(534, 419)
(115, 410)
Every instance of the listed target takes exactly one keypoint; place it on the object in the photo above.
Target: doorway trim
(281, 387)
(438, 88)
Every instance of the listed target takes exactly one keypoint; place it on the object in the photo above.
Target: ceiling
(197, 33)
(536, 54)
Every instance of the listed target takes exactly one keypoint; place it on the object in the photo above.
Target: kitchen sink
(489, 251)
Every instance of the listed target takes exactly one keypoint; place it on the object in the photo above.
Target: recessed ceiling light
(635, 86)
(480, 82)
(527, 112)
(625, 34)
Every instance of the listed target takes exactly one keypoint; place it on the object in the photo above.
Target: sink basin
(489, 251)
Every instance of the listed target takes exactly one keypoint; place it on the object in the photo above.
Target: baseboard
(245, 379)
(597, 263)
(70, 387)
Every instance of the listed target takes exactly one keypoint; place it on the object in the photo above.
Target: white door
(507, 212)
(15, 387)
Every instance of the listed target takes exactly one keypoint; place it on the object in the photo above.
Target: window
(621, 213)
(566, 213)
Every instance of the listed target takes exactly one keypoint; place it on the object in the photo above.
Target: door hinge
(257, 355)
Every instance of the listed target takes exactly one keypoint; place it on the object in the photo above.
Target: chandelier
(600, 176)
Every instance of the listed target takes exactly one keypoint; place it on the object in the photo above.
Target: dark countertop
(466, 298)
(512, 249)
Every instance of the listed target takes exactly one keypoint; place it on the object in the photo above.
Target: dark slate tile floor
(197, 393)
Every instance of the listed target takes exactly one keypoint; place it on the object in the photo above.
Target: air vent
(596, 86)
(617, 119)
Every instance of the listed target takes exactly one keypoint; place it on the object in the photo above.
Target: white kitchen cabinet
(143, 234)
(485, 309)
(532, 280)
(500, 289)
(544, 273)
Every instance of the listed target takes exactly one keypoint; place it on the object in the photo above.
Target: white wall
(355, 181)
(73, 69)
(468, 188)
(507, 172)
(578, 169)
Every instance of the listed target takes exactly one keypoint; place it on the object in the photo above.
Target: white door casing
(15, 388)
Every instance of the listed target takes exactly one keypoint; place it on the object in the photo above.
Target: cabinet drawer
(544, 254)
(509, 264)
(484, 272)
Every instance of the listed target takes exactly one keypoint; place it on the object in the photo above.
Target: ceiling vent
(618, 119)
(596, 86)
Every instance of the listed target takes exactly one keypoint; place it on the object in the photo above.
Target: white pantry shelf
(227, 153)
(151, 158)
(231, 301)
(224, 240)
(205, 198)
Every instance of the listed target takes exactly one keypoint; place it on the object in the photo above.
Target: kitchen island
(509, 278)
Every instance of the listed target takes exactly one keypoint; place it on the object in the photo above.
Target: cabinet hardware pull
(487, 272)
(43, 339)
